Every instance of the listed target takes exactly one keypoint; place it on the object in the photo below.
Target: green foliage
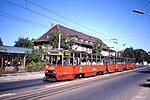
(34, 56)
(7, 72)
(139, 54)
(66, 42)
(1, 42)
(24, 42)
(54, 39)
(129, 52)
(97, 47)
(35, 66)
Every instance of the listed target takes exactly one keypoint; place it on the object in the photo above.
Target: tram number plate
(94, 69)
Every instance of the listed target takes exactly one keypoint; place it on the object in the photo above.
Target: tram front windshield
(55, 59)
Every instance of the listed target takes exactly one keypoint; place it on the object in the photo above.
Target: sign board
(67, 54)
(3, 50)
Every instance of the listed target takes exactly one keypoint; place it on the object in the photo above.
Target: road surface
(128, 85)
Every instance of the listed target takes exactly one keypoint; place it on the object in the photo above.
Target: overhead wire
(39, 13)
(65, 17)
(53, 18)
(129, 26)
(22, 19)
(132, 23)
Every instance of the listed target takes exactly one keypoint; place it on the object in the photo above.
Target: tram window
(89, 59)
(78, 55)
(78, 61)
(71, 61)
(83, 61)
(110, 60)
(75, 61)
(53, 59)
(59, 60)
(94, 60)
(75, 55)
(66, 62)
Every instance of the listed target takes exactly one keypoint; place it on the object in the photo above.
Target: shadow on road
(145, 85)
(146, 72)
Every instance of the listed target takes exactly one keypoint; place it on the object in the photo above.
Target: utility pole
(59, 37)
(59, 41)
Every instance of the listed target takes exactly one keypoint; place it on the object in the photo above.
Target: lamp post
(141, 12)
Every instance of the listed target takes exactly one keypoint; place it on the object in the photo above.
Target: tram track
(45, 92)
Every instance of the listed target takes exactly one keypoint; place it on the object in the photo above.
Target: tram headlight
(54, 72)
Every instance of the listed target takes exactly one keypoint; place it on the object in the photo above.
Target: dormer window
(75, 39)
(81, 40)
(47, 36)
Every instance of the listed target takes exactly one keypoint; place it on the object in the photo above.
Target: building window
(91, 43)
(90, 50)
(86, 41)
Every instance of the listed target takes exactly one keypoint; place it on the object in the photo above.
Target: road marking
(57, 84)
(140, 97)
(89, 78)
(8, 94)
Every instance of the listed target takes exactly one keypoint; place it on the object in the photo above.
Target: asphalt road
(20, 84)
(116, 86)
(123, 87)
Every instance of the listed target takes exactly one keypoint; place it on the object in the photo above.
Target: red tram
(67, 65)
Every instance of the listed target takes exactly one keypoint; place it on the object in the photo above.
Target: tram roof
(11, 49)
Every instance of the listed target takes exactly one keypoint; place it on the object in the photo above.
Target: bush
(8, 70)
(35, 66)
(29, 67)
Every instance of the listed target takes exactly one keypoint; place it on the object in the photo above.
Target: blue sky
(109, 18)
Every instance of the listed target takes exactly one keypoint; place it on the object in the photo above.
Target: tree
(34, 56)
(66, 42)
(129, 53)
(53, 39)
(97, 47)
(34, 60)
(24, 42)
(140, 55)
(1, 42)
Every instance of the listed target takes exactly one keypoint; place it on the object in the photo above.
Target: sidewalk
(21, 76)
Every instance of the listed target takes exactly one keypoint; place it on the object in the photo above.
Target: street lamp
(124, 44)
(113, 39)
(141, 12)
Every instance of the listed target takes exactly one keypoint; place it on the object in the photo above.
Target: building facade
(10, 55)
(82, 42)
